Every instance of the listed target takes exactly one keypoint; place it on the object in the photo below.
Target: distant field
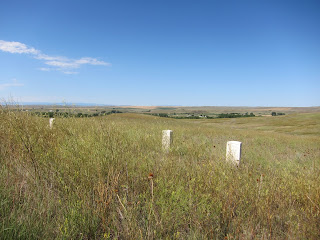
(177, 110)
(295, 124)
(213, 109)
(107, 177)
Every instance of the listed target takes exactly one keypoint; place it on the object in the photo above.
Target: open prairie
(175, 109)
(159, 120)
(220, 109)
(108, 178)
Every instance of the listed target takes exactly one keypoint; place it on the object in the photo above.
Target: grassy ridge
(293, 124)
(88, 179)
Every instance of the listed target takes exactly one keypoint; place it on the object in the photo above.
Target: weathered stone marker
(167, 139)
(234, 152)
(51, 120)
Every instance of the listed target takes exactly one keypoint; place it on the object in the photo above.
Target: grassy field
(178, 110)
(107, 178)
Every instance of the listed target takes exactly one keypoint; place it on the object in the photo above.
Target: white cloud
(45, 69)
(66, 63)
(13, 83)
(60, 63)
(57, 69)
(70, 72)
(63, 64)
(42, 56)
(16, 47)
(92, 61)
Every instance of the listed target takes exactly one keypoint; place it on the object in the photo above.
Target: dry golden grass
(89, 178)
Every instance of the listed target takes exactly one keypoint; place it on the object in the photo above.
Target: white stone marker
(234, 152)
(51, 122)
(166, 139)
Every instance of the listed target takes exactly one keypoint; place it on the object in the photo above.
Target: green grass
(87, 178)
(293, 124)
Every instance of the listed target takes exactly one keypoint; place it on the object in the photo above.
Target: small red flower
(150, 176)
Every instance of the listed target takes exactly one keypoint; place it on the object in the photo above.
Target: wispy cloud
(16, 47)
(59, 63)
(64, 70)
(70, 72)
(13, 83)
(45, 69)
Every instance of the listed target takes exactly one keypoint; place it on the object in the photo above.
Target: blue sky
(192, 53)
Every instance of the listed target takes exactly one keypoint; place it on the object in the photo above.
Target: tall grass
(107, 178)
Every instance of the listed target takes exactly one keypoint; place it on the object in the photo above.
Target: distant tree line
(234, 115)
(71, 114)
(277, 114)
(192, 116)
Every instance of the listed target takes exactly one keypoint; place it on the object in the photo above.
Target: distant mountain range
(81, 104)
